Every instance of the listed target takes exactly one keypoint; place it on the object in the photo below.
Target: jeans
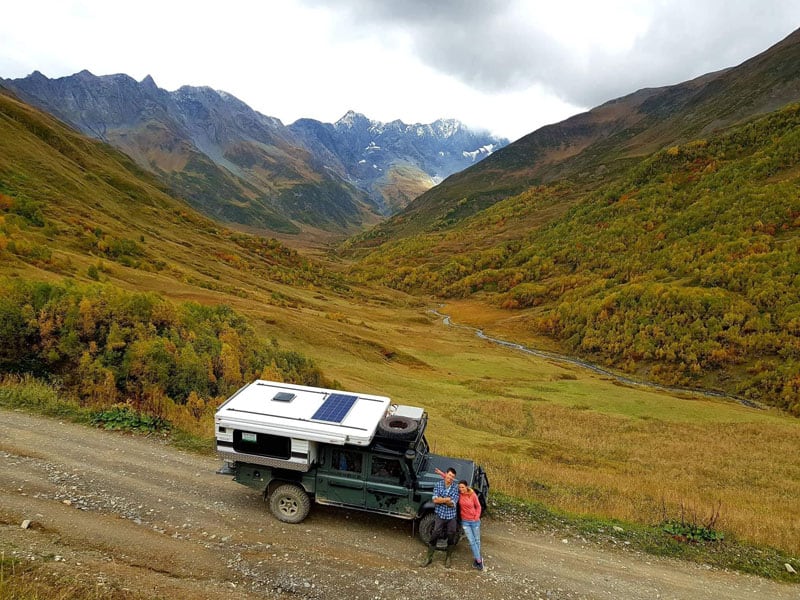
(444, 528)
(472, 529)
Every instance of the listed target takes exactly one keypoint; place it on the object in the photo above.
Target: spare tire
(398, 428)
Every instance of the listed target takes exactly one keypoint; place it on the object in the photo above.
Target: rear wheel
(289, 503)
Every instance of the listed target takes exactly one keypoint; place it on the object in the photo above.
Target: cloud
(584, 53)
(507, 65)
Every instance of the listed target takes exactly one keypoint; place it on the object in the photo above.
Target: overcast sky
(506, 66)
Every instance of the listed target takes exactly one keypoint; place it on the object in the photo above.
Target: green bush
(124, 418)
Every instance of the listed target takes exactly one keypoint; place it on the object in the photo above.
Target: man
(445, 497)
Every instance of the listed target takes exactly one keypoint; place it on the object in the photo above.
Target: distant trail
(562, 358)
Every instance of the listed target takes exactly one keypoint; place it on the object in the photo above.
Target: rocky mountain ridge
(380, 157)
(238, 165)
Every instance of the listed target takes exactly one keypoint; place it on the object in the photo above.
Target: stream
(561, 358)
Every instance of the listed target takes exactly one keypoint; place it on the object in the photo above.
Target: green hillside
(102, 276)
(589, 148)
(684, 268)
(116, 297)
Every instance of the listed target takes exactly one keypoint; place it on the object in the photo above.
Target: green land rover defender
(297, 445)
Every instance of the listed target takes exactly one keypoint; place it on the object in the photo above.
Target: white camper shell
(280, 424)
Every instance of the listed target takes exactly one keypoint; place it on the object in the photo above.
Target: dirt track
(131, 513)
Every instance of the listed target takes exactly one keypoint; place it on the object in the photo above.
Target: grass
(578, 442)
(549, 435)
(559, 436)
(589, 446)
(657, 539)
(561, 439)
(37, 396)
(37, 581)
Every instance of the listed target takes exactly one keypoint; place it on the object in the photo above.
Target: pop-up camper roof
(314, 414)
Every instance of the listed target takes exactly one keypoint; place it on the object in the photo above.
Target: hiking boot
(447, 558)
(428, 558)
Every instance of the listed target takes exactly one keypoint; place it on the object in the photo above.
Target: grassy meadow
(587, 445)
(547, 432)
(556, 434)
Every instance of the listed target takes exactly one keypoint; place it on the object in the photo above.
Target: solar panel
(335, 408)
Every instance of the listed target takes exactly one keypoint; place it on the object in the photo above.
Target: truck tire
(426, 524)
(398, 428)
(289, 503)
(482, 501)
(426, 527)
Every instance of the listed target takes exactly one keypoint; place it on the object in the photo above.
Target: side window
(386, 469)
(346, 460)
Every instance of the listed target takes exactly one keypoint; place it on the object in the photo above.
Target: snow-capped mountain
(239, 165)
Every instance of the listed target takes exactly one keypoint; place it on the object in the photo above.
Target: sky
(508, 67)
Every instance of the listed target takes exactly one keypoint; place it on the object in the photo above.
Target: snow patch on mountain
(480, 153)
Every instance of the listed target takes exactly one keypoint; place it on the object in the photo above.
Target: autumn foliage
(683, 267)
(104, 345)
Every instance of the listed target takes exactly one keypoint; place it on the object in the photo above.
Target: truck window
(386, 469)
(346, 460)
(261, 443)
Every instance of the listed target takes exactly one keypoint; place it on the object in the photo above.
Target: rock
(27, 523)
(618, 529)
(790, 568)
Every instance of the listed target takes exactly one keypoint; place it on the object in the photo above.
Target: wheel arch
(280, 479)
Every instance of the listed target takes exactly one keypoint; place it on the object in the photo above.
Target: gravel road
(131, 514)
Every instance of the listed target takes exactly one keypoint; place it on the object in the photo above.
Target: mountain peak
(149, 82)
(357, 163)
(351, 118)
(447, 127)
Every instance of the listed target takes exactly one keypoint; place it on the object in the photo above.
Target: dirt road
(131, 513)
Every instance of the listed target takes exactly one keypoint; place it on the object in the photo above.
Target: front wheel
(426, 524)
(289, 503)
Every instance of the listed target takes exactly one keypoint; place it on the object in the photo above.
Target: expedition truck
(297, 445)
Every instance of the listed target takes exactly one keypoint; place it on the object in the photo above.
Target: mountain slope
(240, 166)
(69, 203)
(229, 161)
(76, 215)
(679, 265)
(589, 147)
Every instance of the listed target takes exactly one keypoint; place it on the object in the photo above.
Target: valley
(665, 253)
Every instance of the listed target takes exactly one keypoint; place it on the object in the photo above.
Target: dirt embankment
(133, 515)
